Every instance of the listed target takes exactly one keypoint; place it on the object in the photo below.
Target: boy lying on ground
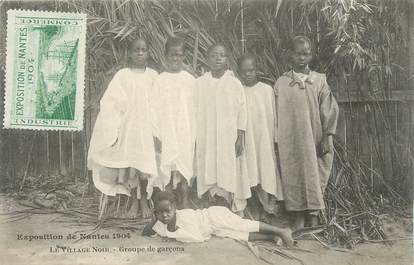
(189, 225)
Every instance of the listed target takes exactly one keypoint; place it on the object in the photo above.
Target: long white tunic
(124, 129)
(260, 138)
(221, 112)
(176, 122)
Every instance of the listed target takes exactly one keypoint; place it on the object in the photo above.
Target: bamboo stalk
(371, 163)
(85, 152)
(102, 206)
(47, 154)
(118, 204)
(389, 240)
(73, 158)
(9, 165)
(242, 26)
(29, 158)
(60, 152)
(195, 50)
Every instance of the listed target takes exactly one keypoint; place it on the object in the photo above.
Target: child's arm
(154, 103)
(325, 145)
(284, 233)
(328, 109)
(275, 120)
(241, 121)
(186, 235)
(239, 143)
(112, 109)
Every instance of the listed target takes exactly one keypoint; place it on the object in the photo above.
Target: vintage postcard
(199, 132)
(45, 70)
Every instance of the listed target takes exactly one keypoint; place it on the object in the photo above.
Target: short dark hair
(163, 196)
(218, 44)
(247, 56)
(131, 42)
(174, 42)
(300, 40)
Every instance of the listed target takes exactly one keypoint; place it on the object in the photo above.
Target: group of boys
(229, 132)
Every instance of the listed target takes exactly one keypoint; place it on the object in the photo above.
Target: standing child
(198, 225)
(221, 125)
(260, 136)
(121, 153)
(307, 116)
(175, 89)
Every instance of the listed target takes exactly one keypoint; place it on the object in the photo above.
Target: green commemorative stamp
(45, 67)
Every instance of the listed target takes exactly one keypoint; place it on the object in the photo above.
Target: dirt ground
(15, 248)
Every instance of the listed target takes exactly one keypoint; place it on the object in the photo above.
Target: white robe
(123, 131)
(221, 112)
(260, 139)
(176, 123)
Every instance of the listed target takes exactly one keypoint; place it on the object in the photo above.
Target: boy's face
(302, 55)
(175, 57)
(138, 53)
(165, 211)
(217, 58)
(248, 72)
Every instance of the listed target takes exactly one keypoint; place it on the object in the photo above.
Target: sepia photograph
(206, 132)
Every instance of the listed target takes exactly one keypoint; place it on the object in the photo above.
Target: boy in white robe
(260, 136)
(221, 124)
(307, 116)
(121, 152)
(175, 108)
(192, 226)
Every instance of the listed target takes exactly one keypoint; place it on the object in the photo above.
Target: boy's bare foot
(122, 172)
(132, 213)
(299, 221)
(312, 220)
(286, 236)
(145, 209)
(278, 241)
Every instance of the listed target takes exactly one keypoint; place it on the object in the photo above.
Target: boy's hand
(157, 145)
(148, 228)
(325, 145)
(287, 238)
(239, 145)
